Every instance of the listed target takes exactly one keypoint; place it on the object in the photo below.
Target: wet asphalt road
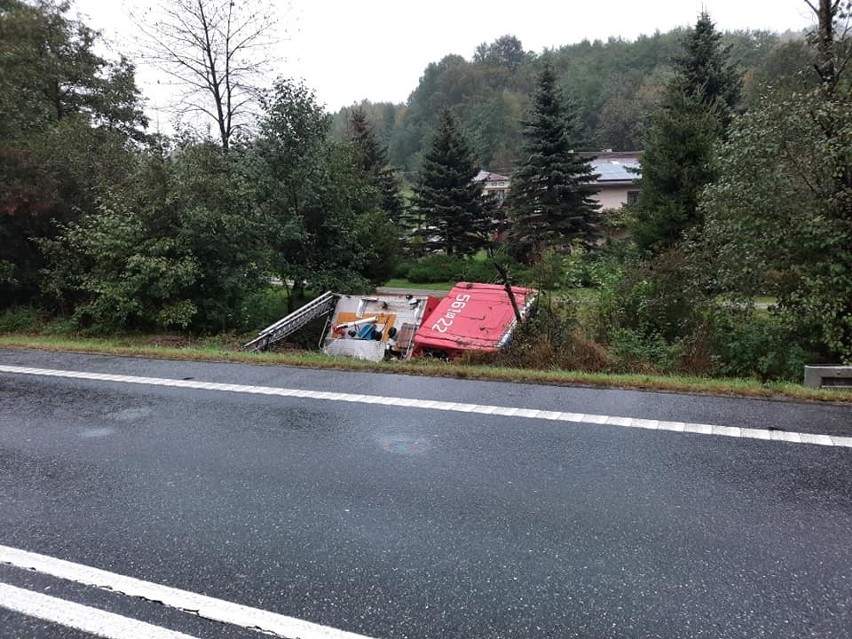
(396, 522)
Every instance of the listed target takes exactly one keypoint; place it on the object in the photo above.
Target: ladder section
(288, 325)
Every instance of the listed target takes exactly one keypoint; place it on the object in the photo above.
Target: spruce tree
(551, 201)
(448, 199)
(676, 166)
(677, 163)
(373, 159)
(704, 70)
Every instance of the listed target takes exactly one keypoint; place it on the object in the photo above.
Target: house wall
(614, 196)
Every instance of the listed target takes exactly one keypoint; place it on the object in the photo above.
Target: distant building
(618, 180)
(494, 185)
(617, 183)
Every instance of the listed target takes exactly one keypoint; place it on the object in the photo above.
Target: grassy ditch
(227, 350)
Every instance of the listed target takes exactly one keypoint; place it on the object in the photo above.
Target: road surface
(403, 507)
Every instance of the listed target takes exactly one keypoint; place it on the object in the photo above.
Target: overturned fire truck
(478, 317)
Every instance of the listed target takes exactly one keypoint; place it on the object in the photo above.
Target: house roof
(616, 170)
(488, 176)
(611, 166)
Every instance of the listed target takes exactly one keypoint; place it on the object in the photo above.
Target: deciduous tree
(216, 51)
(506, 51)
(322, 220)
(66, 114)
(181, 249)
(779, 216)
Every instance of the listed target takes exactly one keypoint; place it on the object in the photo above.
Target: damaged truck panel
(375, 327)
(473, 316)
(477, 317)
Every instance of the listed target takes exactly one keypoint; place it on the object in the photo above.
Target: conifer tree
(374, 163)
(705, 71)
(677, 164)
(448, 199)
(551, 202)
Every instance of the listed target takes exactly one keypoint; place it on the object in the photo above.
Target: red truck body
(472, 317)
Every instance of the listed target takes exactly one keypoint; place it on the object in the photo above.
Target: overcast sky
(377, 49)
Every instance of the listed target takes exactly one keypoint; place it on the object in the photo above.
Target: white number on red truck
(456, 307)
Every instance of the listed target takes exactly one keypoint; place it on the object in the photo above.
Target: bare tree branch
(217, 49)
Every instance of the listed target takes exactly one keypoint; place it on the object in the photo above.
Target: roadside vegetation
(115, 239)
(226, 349)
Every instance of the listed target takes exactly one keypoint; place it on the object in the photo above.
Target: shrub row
(447, 268)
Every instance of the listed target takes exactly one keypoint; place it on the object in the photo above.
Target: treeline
(746, 190)
(740, 197)
(119, 229)
(615, 86)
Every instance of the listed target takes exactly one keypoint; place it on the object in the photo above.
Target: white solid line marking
(755, 433)
(200, 605)
(528, 413)
(506, 411)
(73, 615)
(651, 424)
(823, 440)
(698, 429)
(545, 414)
(736, 432)
(619, 421)
(727, 431)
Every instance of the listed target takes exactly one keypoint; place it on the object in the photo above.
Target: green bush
(474, 271)
(435, 268)
(552, 339)
(579, 268)
(751, 345)
(599, 268)
(264, 307)
(20, 319)
(538, 341)
(652, 298)
(181, 251)
(401, 270)
(447, 268)
(635, 352)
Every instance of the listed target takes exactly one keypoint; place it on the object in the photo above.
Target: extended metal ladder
(288, 325)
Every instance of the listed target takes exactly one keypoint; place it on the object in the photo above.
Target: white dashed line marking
(200, 605)
(505, 411)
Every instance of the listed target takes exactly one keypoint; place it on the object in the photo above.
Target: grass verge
(218, 351)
